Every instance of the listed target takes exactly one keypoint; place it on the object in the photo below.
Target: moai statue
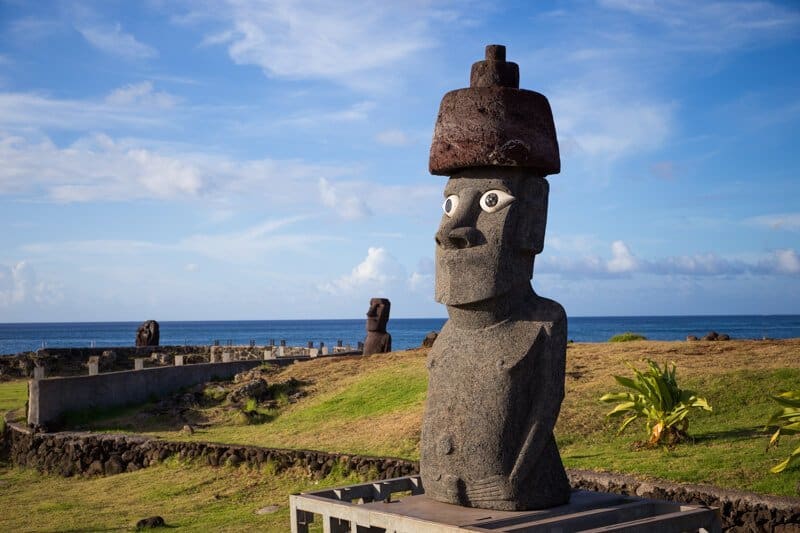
(496, 371)
(147, 334)
(378, 340)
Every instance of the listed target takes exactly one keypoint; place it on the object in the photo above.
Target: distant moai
(147, 334)
(496, 370)
(378, 340)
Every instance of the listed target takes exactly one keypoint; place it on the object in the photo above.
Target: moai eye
(450, 204)
(495, 200)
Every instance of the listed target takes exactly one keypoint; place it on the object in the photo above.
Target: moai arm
(545, 405)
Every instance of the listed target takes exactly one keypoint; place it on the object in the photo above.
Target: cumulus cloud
(421, 280)
(622, 260)
(379, 271)
(112, 40)
(19, 285)
(141, 94)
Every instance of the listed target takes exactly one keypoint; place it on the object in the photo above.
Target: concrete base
(400, 505)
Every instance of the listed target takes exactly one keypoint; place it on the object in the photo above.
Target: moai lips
(496, 371)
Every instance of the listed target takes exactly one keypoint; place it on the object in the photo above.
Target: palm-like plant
(657, 398)
(788, 421)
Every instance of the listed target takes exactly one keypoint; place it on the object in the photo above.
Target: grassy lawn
(374, 406)
(187, 496)
(13, 395)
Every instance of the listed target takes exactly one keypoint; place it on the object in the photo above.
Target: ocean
(406, 332)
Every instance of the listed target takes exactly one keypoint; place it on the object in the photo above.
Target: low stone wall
(50, 398)
(76, 453)
(72, 453)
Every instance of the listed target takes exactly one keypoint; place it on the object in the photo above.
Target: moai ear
(532, 214)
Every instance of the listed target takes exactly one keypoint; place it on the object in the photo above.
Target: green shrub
(627, 336)
(657, 398)
(788, 421)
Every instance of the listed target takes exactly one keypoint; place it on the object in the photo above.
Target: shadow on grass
(736, 434)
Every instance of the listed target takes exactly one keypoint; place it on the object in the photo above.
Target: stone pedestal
(39, 372)
(324, 350)
(282, 350)
(138, 363)
(386, 506)
(178, 360)
(269, 353)
(227, 357)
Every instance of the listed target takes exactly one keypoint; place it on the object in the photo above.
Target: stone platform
(400, 506)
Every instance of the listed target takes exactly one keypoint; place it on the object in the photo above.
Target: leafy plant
(788, 421)
(627, 336)
(657, 398)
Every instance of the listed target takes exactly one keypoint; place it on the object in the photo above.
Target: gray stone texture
(147, 334)
(378, 340)
(496, 370)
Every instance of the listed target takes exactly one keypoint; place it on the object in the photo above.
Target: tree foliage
(787, 419)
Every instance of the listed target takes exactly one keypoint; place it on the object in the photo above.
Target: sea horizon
(16, 337)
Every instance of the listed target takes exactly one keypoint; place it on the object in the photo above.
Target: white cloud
(624, 263)
(191, 267)
(379, 271)
(355, 113)
(101, 168)
(19, 285)
(393, 138)
(421, 280)
(713, 26)
(783, 221)
(112, 40)
(141, 94)
(593, 123)
(622, 260)
(785, 262)
(348, 206)
(346, 42)
(23, 111)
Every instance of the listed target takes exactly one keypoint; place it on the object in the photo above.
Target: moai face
(493, 225)
(378, 314)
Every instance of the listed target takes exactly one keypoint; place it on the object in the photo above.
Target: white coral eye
(450, 204)
(495, 200)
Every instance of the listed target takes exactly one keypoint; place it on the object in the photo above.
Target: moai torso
(496, 371)
(377, 340)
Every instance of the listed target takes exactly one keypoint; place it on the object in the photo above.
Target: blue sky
(266, 160)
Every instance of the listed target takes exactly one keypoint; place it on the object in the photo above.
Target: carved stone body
(147, 334)
(496, 371)
(378, 340)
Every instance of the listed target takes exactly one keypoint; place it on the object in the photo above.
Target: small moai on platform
(323, 349)
(148, 334)
(94, 365)
(360, 347)
(178, 360)
(138, 363)
(496, 370)
(378, 340)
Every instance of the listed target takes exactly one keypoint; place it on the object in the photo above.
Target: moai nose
(464, 237)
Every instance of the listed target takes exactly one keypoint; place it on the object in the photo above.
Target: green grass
(13, 395)
(189, 497)
(627, 337)
(729, 444)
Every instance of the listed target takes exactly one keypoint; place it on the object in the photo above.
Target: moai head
(497, 143)
(378, 314)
